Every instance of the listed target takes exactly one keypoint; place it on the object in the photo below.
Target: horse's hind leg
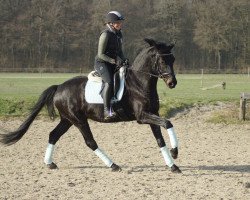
(54, 136)
(84, 128)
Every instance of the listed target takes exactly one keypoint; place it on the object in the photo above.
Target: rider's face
(117, 25)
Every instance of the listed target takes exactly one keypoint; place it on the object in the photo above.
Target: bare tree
(63, 33)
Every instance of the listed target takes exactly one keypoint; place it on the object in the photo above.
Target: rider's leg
(107, 95)
(106, 71)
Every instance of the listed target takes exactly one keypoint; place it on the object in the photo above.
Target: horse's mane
(141, 56)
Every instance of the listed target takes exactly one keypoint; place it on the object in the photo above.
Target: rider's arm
(103, 41)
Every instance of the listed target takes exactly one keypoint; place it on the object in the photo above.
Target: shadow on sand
(217, 168)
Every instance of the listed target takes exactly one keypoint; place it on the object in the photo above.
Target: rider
(110, 55)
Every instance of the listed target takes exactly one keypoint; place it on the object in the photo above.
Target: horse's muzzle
(170, 81)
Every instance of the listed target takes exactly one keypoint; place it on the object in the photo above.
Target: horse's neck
(140, 73)
(139, 78)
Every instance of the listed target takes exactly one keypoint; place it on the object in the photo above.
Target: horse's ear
(151, 42)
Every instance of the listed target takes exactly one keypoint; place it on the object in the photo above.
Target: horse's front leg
(155, 123)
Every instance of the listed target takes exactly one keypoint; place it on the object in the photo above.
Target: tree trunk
(13, 56)
(219, 60)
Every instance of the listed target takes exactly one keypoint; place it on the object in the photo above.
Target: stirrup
(109, 115)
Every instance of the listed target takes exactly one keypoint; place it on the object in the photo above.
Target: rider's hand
(126, 62)
(119, 62)
(113, 61)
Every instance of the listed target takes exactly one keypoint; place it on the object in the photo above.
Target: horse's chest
(152, 101)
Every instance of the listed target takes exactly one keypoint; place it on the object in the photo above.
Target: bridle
(156, 68)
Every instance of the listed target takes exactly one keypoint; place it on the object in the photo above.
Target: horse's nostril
(171, 85)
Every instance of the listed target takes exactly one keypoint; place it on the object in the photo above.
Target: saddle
(94, 87)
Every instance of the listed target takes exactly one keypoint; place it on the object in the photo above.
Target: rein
(161, 75)
(147, 73)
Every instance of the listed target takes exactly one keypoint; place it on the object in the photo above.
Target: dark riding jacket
(110, 46)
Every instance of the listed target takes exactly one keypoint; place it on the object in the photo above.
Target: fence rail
(45, 70)
(243, 71)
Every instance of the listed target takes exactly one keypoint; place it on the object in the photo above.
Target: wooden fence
(243, 105)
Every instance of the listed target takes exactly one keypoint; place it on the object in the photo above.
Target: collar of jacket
(118, 33)
(111, 29)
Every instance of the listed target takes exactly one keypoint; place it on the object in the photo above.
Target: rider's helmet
(114, 16)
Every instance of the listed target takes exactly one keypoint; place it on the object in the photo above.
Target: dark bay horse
(140, 102)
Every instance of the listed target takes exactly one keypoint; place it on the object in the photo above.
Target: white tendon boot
(173, 142)
(169, 160)
(172, 137)
(48, 156)
(167, 157)
(103, 157)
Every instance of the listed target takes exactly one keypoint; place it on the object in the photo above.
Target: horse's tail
(45, 98)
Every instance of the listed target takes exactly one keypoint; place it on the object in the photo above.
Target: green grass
(189, 91)
(19, 91)
(189, 88)
(22, 85)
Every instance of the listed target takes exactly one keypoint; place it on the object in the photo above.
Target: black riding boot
(107, 94)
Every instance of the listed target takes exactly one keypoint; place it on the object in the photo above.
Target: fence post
(201, 78)
(243, 101)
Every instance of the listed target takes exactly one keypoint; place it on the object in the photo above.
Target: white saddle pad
(93, 88)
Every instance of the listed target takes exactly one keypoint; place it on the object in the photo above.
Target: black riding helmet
(114, 16)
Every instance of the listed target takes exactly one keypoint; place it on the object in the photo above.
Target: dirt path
(215, 160)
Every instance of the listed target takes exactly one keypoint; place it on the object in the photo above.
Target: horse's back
(72, 89)
(73, 83)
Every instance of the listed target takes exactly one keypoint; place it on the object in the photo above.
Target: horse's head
(163, 62)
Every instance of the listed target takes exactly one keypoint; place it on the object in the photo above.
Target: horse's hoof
(174, 152)
(52, 166)
(115, 168)
(175, 169)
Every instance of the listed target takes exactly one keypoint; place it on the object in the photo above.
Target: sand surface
(214, 159)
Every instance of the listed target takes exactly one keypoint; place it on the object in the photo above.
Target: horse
(140, 102)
